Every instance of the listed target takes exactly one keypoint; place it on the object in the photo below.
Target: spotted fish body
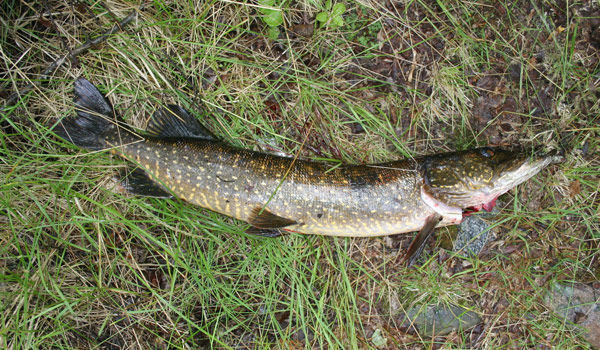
(270, 192)
(359, 200)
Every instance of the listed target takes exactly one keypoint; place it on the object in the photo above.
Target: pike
(178, 157)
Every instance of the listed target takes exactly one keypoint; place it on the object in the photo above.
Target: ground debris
(579, 306)
(438, 320)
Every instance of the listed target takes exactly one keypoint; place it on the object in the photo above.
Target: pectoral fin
(418, 243)
(264, 232)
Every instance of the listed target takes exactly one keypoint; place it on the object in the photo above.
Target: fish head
(475, 178)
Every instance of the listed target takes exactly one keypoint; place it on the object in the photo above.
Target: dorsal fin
(263, 219)
(174, 121)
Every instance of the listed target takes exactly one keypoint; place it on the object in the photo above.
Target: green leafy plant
(272, 16)
(332, 16)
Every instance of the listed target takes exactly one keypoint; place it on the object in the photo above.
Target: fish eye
(487, 152)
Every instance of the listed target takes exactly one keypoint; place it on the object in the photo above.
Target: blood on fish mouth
(485, 206)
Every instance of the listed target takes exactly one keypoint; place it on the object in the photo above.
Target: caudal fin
(95, 117)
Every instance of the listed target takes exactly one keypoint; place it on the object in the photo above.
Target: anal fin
(263, 219)
(138, 182)
(418, 243)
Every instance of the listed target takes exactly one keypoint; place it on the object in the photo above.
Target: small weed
(332, 17)
(361, 30)
(272, 15)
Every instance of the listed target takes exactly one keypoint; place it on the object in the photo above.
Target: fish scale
(180, 157)
(319, 198)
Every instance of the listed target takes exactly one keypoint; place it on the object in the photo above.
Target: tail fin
(95, 117)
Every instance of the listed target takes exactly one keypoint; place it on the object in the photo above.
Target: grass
(83, 265)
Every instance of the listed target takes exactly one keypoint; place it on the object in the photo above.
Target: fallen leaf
(574, 188)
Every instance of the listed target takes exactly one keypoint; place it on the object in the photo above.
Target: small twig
(14, 97)
(53, 24)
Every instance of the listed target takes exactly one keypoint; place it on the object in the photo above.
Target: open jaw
(487, 206)
(454, 215)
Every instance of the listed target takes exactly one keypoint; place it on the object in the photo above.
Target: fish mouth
(455, 215)
(556, 156)
(529, 166)
(508, 176)
(452, 214)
